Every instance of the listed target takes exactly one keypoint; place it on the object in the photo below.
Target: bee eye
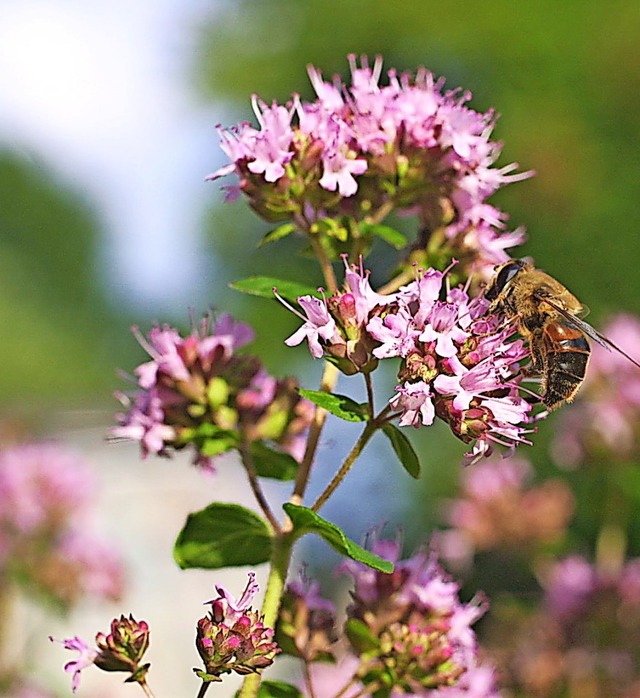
(507, 273)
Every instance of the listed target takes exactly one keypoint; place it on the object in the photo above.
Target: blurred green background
(565, 78)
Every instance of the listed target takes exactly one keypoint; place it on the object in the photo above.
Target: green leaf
(360, 636)
(307, 521)
(271, 463)
(278, 689)
(263, 286)
(339, 405)
(390, 235)
(223, 535)
(278, 233)
(404, 450)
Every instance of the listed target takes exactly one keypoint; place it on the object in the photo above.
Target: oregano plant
(334, 171)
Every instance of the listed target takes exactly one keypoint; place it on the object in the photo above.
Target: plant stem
(325, 264)
(329, 379)
(203, 689)
(247, 461)
(307, 680)
(280, 559)
(147, 691)
(362, 441)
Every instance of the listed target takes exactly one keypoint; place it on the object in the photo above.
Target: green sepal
(271, 463)
(282, 231)
(403, 449)
(305, 521)
(223, 535)
(332, 228)
(263, 286)
(139, 675)
(338, 405)
(206, 678)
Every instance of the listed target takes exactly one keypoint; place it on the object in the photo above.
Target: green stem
(329, 379)
(368, 432)
(247, 461)
(325, 264)
(147, 691)
(203, 689)
(280, 559)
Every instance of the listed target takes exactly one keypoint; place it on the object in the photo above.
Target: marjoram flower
(232, 637)
(307, 622)
(457, 362)
(198, 392)
(120, 650)
(410, 629)
(364, 148)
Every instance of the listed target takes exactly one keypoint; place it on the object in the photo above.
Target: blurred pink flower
(605, 419)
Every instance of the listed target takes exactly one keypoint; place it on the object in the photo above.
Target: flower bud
(123, 648)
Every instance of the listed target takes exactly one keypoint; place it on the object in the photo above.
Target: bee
(548, 319)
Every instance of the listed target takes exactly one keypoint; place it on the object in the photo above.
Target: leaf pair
(229, 535)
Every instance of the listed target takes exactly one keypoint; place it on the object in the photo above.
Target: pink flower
(198, 392)
(84, 659)
(403, 137)
(42, 486)
(415, 403)
(319, 325)
(607, 411)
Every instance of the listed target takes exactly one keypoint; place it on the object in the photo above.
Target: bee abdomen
(566, 362)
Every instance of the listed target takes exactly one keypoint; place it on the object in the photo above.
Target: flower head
(198, 391)
(605, 419)
(44, 543)
(307, 622)
(418, 633)
(366, 146)
(232, 637)
(123, 648)
(499, 507)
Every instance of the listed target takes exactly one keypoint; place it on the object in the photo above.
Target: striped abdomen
(565, 356)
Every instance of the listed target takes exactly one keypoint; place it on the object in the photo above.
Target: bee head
(504, 274)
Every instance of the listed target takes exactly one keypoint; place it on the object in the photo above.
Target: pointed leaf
(360, 636)
(263, 286)
(404, 450)
(339, 405)
(278, 689)
(223, 535)
(271, 463)
(278, 233)
(390, 235)
(307, 521)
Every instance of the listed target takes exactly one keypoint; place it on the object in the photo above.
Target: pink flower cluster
(408, 145)
(120, 650)
(44, 492)
(418, 603)
(457, 363)
(499, 507)
(588, 633)
(233, 637)
(197, 391)
(606, 417)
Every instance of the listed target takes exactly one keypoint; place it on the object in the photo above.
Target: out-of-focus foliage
(56, 344)
(565, 78)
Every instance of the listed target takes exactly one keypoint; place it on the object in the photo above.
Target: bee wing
(587, 329)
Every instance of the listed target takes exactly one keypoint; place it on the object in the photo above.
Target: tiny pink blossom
(84, 659)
